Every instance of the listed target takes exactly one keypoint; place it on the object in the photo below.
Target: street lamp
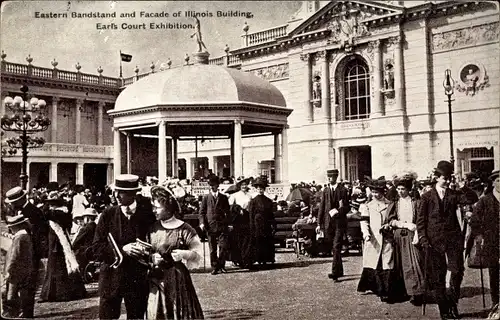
(25, 122)
(448, 85)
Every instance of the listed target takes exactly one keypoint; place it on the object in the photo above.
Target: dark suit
(82, 242)
(440, 234)
(39, 236)
(214, 215)
(129, 280)
(335, 227)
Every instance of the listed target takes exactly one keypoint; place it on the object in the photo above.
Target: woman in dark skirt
(63, 281)
(377, 250)
(176, 247)
(262, 224)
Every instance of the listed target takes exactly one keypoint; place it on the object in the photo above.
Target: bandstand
(191, 102)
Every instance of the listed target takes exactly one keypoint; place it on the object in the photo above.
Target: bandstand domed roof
(199, 84)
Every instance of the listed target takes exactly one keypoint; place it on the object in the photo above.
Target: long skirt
(407, 262)
(240, 244)
(172, 295)
(383, 283)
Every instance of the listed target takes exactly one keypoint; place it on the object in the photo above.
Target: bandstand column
(284, 154)
(325, 85)
(377, 78)
(79, 173)
(53, 171)
(100, 108)
(53, 124)
(238, 149)
(398, 75)
(277, 159)
(175, 160)
(232, 155)
(109, 174)
(3, 95)
(306, 57)
(117, 157)
(162, 151)
(78, 129)
(129, 152)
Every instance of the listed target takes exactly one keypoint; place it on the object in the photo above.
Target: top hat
(494, 175)
(213, 180)
(16, 220)
(332, 172)
(127, 182)
(15, 194)
(260, 182)
(444, 168)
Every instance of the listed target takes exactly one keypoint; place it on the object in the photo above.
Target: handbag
(478, 253)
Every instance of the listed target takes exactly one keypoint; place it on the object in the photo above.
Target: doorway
(358, 163)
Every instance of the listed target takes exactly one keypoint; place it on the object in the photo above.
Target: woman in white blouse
(401, 217)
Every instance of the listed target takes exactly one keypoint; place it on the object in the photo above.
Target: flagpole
(121, 72)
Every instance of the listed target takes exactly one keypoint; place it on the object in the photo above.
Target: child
(20, 300)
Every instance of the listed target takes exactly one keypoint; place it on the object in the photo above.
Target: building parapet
(264, 36)
(67, 150)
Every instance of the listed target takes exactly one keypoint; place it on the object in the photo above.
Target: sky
(70, 40)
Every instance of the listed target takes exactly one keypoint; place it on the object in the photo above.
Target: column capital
(101, 104)
(305, 57)
(374, 45)
(396, 40)
(323, 55)
(79, 102)
(238, 121)
(55, 99)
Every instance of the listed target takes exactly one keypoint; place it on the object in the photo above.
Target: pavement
(296, 288)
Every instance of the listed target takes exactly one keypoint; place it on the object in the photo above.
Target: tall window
(356, 90)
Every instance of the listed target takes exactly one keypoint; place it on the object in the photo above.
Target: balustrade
(266, 35)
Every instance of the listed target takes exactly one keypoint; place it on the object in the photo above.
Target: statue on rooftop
(199, 39)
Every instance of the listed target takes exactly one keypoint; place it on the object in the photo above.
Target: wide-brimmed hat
(15, 194)
(260, 182)
(405, 179)
(379, 184)
(242, 180)
(444, 168)
(127, 182)
(91, 212)
(16, 220)
(494, 175)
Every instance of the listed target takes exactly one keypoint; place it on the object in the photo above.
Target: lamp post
(4, 152)
(24, 122)
(448, 85)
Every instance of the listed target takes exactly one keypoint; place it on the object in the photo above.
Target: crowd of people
(410, 233)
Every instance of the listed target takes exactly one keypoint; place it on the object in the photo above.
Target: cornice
(204, 108)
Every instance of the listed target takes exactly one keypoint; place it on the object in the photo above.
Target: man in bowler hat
(332, 219)
(126, 222)
(214, 215)
(440, 234)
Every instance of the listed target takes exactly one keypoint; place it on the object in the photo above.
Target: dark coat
(83, 241)
(214, 213)
(485, 221)
(130, 275)
(331, 200)
(437, 221)
(39, 231)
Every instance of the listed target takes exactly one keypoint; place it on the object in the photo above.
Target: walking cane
(481, 270)
(424, 297)
(204, 263)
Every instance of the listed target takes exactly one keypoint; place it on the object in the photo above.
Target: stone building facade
(364, 80)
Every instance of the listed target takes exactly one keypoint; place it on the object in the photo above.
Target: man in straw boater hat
(20, 301)
(18, 200)
(485, 221)
(213, 216)
(440, 235)
(127, 221)
(332, 219)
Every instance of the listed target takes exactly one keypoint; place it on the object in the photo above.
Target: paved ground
(294, 289)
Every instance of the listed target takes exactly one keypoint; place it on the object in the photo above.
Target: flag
(126, 57)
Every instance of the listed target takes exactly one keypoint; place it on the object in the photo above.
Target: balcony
(264, 36)
(66, 150)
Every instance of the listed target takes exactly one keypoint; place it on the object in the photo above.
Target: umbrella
(302, 194)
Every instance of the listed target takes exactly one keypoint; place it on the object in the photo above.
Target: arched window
(356, 90)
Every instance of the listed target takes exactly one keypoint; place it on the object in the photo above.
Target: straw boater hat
(15, 194)
(127, 182)
(87, 212)
(494, 175)
(16, 220)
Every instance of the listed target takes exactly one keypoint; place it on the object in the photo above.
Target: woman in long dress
(377, 250)
(262, 224)
(401, 217)
(240, 238)
(63, 281)
(176, 247)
